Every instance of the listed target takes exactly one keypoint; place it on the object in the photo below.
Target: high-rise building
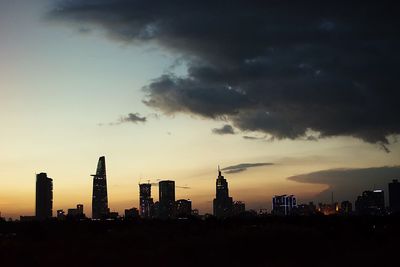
(99, 199)
(44, 196)
(283, 205)
(132, 213)
(146, 204)
(183, 208)
(166, 199)
(222, 204)
(371, 203)
(346, 207)
(394, 196)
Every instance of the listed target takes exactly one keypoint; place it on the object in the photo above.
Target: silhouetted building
(166, 207)
(394, 196)
(346, 208)
(283, 205)
(305, 209)
(99, 199)
(371, 203)
(113, 215)
(76, 213)
(60, 215)
(27, 218)
(146, 202)
(222, 204)
(183, 208)
(238, 208)
(44, 196)
(132, 213)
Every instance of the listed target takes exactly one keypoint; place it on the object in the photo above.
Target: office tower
(146, 204)
(238, 208)
(99, 199)
(346, 207)
(394, 196)
(283, 205)
(166, 199)
(371, 203)
(222, 204)
(183, 208)
(44, 196)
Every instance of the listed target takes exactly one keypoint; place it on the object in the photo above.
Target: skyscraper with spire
(222, 204)
(99, 199)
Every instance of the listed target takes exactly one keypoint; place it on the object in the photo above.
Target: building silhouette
(394, 196)
(371, 203)
(166, 207)
(99, 199)
(44, 197)
(76, 213)
(346, 207)
(283, 205)
(146, 204)
(238, 208)
(132, 213)
(183, 208)
(222, 204)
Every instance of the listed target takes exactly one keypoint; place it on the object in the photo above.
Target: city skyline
(307, 110)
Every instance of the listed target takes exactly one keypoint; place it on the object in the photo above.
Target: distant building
(113, 215)
(371, 203)
(166, 199)
(27, 218)
(146, 204)
(44, 197)
(99, 199)
(61, 215)
(238, 208)
(76, 213)
(346, 208)
(328, 209)
(394, 196)
(132, 213)
(222, 204)
(305, 209)
(183, 208)
(283, 205)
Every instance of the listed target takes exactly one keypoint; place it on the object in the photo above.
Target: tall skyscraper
(99, 199)
(166, 199)
(146, 202)
(394, 196)
(44, 196)
(222, 204)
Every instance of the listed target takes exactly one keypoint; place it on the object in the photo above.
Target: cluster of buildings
(369, 203)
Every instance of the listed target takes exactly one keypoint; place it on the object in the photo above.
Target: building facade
(394, 196)
(371, 203)
(283, 205)
(183, 208)
(44, 197)
(99, 198)
(146, 204)
(166, 208)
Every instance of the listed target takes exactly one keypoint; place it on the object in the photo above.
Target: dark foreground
(305, 241)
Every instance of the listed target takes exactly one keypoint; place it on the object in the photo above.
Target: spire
(219, 171)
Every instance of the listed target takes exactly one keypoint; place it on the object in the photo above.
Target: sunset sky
(173, 89)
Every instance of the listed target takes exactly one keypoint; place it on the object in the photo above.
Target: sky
(287, 98)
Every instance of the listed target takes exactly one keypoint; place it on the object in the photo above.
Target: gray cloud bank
(278, 67)
(226, 129)
(243, 167)
(348, 183)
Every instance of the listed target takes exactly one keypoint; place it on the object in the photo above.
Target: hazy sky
(171, 91)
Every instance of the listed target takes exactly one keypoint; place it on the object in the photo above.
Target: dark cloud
(226, 129)
(347, 184)
(243, 167)
(133, 117)
(278, 67)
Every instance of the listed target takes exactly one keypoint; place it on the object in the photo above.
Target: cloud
(347, 184)
(282, 68)
(243, 167)
(133, 117)
(226, 129)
